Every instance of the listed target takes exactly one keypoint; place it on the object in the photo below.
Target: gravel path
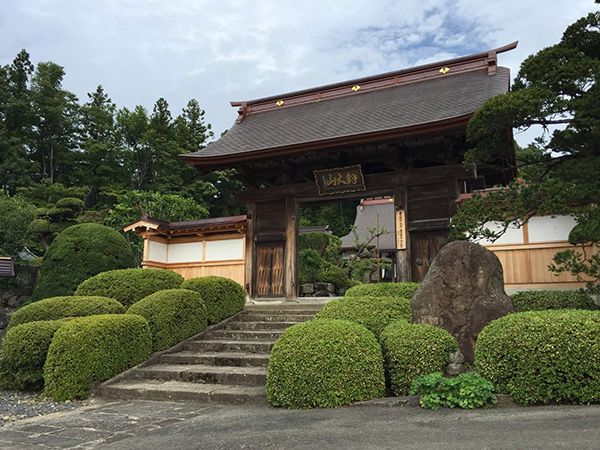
(20, 405)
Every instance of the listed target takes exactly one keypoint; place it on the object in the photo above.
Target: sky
(218, 51)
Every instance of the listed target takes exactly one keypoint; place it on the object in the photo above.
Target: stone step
(258, 325)
(273, 318)
(198, 373)
(281, 312)
(182, 391)
(229, 345)
(217, 358)
(244, 335)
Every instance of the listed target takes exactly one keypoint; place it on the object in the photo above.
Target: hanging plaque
(340, 180)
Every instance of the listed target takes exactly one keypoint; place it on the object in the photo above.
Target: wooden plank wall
(229, 269)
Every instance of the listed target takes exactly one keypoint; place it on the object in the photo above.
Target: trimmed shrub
(310, 266)
(375, 313)
(173, 315)
(412, 350)
(60, 307)
(550, 299)
(24, 351)
(324, 363)
(129, 286)
(468, 391)
(223, 297)
(78, 253)
(543, 356)
(404, 289)
(86, 350)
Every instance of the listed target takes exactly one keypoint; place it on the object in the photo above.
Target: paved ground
(149, 425)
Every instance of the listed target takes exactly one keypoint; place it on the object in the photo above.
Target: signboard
(400, 229)
(338, 181)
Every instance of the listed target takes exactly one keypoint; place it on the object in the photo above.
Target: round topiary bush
(413, 350)
(223, 297)
(24, 351)
(404, 289)
(129, 286)
(86, 350)
(173, 315)
(60, 307)
(78, 253)
(375, 313)
(543, 356)
(324, 363)
(552, 299)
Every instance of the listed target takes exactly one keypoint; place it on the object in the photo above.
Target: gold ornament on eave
(444, 70)
(279, 103)
(356, 88)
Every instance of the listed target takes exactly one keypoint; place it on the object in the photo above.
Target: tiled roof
(373, 215)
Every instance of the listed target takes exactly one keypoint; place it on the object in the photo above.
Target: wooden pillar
(250, 249)
(403, 253)
(291, 253)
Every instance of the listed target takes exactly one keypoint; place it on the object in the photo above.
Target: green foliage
(412, 350)
(404, 289)
(338, 215)
(543, 356)
(324, 363)
(61, 307)
(467, 391)
(78, 253)
(91, 349)
(375, 313)
(556, 91)
(51, 221)
(129, 286)
(173, 315)
(311, 265)
(15, 215)
(314, 241)
(552, 299)
(24, 351)
(223, 297)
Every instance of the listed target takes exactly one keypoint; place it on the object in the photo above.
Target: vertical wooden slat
(250, 252)
(277, 266)
(291, 254)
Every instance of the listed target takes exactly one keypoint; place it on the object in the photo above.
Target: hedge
(129, 286)
(324, 363)
(61, 307)
(24, 351)
(552, 299)
(543, 356)
(78, 253)
(223, 297)
(173, 315)
(413, 350)
(404, 289)
(375, 313)
(86, 350)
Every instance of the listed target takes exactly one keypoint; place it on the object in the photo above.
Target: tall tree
(132, 127)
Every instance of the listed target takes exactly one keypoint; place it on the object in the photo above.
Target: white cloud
(235, 50)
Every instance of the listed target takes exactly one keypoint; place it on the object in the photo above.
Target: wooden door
(424, 247)
(269, 270)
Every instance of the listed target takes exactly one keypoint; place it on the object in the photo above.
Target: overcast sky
(217, 51)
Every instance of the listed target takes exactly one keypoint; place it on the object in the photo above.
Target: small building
(7, 267)
(195, 248)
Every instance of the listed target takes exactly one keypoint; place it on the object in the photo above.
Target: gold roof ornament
(279, 102)
(356, 88)
(444, 70)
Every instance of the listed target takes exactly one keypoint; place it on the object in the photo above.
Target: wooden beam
(249, 251)
(402, 255)
(291, 254)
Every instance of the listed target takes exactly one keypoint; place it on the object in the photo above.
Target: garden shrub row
(552, 299)
(173, 315)
(24, 351)
(375, 313)
(412, 350)
(543, 356)
(223, 297)
(91, 349)
(405, 289)
(325, 363)
(129, 286)
(61, 307)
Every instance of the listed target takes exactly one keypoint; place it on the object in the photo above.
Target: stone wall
(14, 292)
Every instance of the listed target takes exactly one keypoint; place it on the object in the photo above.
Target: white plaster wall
(513, 235)
(185, 252)
(550, 228)
(157, 251)
(225, 249)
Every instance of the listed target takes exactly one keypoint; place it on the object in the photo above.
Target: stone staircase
(226, 364)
